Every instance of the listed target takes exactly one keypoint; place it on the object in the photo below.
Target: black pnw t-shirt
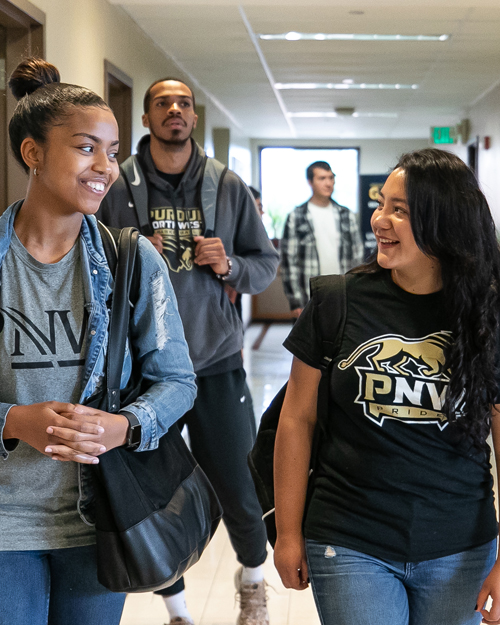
(392, 481)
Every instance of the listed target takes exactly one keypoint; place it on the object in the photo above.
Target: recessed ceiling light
(331, 114)
(345, 111)
(329, 85)
(294, 36)
(313, 114)
(348, 81)
(379, 115)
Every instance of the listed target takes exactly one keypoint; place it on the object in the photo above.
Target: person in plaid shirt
(320, 237)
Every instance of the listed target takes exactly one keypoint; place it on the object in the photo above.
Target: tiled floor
(209, 584)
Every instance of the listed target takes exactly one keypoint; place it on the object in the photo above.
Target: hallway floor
(209, 584)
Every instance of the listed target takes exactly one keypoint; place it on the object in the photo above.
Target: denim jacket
(155, 329)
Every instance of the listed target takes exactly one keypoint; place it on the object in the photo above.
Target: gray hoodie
(212, 327)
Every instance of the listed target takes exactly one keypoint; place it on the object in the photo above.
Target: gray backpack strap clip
(138, 190)
(213, 175)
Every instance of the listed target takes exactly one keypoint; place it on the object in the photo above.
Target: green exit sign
(443, 134)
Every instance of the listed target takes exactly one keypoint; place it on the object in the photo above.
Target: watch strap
(134, 430)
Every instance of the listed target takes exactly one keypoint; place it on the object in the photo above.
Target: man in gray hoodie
(202, 219)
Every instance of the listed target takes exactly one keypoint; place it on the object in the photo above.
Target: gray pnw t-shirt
(42, 350)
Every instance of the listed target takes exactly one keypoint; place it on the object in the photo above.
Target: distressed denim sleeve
(159, 346)
(5, 446)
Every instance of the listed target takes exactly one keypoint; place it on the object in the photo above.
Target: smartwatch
(134, 430)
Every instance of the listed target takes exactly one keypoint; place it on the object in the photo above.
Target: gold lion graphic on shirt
(429, 351)
(402, 378)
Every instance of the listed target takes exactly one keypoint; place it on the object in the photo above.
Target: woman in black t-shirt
(401, 527)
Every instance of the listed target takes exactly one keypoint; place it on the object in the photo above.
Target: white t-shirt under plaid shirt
(327, 234)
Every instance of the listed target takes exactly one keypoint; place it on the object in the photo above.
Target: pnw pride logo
(403, 379)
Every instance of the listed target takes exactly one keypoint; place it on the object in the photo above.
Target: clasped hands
(66, 432)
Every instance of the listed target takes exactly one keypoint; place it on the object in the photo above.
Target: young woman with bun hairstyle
(54, 285)
(401, 526)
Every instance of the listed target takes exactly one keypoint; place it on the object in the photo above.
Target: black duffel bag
(155, 511)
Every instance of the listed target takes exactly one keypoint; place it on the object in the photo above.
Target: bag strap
(121, 263)
(331, 307)
(109, 238)
(135, 179)
(329, 293)
(213, 175)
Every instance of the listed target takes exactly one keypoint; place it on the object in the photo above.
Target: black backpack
(328, 294)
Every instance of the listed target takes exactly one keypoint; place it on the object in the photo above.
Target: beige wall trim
(110, 68)
(222, 142)
(21, 11)
(199, 132)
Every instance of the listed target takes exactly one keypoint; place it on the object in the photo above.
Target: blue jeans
(351, 587)
(55, 587)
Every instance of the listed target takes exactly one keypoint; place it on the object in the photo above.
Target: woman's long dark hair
(451, 221)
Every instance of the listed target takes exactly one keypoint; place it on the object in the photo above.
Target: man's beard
(173, 141)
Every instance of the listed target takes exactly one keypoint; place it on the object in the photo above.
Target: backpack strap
(135, 179)
(213, 175)
(329, 293)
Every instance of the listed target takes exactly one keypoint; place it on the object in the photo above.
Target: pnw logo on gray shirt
(43, 325)
(44, 341)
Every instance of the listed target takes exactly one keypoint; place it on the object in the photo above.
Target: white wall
(485, 122)
(80, 34)
(377, 156)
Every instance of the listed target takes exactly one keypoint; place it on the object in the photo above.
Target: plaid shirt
(299, 256)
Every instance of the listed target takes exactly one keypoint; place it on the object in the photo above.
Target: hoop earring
(35, 173)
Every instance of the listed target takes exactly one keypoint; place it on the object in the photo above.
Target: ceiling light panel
(340, 86)
(320, 114)
(295, 36)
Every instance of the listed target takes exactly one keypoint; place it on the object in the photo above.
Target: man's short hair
(317, 165)
(147, 95)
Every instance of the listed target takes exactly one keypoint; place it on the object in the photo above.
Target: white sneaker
(253, 601)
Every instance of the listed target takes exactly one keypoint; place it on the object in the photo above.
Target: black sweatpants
(221, 428)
